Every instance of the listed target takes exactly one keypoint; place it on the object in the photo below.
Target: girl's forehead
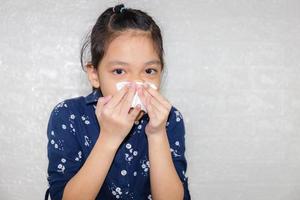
(135, 32)
(131, 36)
(131, 46)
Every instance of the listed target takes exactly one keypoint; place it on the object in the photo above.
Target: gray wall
(233, 71)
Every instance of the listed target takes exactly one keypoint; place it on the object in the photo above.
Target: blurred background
(233, 70)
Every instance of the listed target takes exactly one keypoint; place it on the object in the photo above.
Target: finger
(158, 105)
(157, 95)
(142, 96)
(146, 101)
(116, 98)
(106, 99)
(119, 107)
(126, 102)
(151, 111)
(135, 112)
(149, 101)
(101, 102)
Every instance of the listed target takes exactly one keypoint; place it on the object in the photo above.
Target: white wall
(233, 71)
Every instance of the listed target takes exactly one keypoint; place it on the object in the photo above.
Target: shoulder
(175, 118)
(65, 112)
(67, 106)
(77, 104)
(176, 132)
(63, 124)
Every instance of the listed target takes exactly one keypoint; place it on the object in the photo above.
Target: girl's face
(129, 57)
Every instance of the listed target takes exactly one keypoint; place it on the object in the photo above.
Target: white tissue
(136, 99)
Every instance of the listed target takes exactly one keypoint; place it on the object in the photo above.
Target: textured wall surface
(233, 72)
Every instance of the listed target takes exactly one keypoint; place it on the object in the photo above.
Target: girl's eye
(151, 70)
(119, 71)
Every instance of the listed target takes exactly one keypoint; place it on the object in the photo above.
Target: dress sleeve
(63, 150)
(176, 136)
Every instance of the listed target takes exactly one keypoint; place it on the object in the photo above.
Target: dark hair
(110, 24)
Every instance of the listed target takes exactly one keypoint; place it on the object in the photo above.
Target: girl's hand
(113, 115)
(158, 109)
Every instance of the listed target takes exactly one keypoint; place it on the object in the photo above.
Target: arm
(89, 179)
(165, 182)
(166, 172)
(115, 127)
(68, 176)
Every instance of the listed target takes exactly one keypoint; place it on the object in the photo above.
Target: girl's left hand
(158, 109)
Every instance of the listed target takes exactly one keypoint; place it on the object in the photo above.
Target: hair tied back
(119, 8)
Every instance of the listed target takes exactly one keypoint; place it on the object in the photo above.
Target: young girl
(100, 147)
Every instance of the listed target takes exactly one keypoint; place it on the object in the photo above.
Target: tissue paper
(136, 99)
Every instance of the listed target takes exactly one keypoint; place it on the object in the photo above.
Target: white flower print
(60, 105)
(61, 167)
(131, 154)
(184, 174)
(128, 146)
(174, 152)
(85, 119)
(179, 116)
(72, 116)
(145, 165)
(120, 193)
(140, 126)
(78, 158)
(87, 141)
(54, 144)
(116, 191)
(175, 149)
(63, 126)
(72, 129)
(123, 172)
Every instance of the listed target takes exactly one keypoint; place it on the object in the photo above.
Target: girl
(99, 146)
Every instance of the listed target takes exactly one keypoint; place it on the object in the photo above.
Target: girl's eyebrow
(153, 62)
(117, 62)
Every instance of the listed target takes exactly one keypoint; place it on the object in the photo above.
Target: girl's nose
(137, 81)
(135, 77)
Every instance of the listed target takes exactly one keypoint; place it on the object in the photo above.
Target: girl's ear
(92, 73)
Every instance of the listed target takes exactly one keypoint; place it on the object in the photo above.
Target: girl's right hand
(113, 115)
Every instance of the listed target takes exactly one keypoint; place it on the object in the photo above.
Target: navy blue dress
(72, 132)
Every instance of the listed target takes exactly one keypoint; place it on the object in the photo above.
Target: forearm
(89, 179)
(165, 182)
